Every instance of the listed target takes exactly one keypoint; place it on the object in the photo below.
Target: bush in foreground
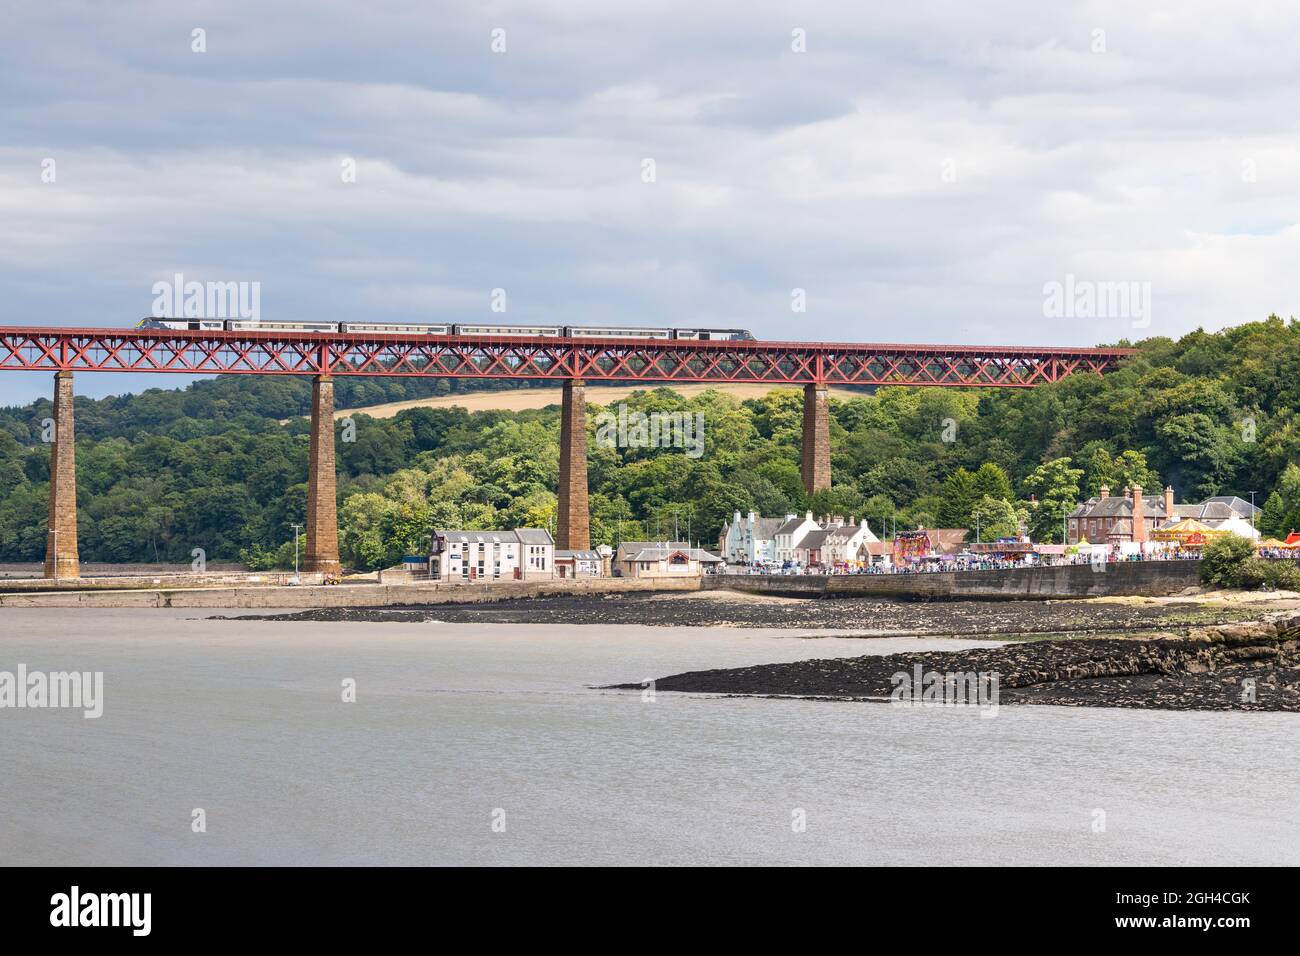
(1224, 559)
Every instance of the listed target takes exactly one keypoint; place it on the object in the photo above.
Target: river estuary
(483, 743)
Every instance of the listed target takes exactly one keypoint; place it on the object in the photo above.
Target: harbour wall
(1135, 578)
(340, 595)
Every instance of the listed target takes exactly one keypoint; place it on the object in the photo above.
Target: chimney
(1139, 518)
(753, 516)
(1104, 492)
(807, 516)
(1169, 502)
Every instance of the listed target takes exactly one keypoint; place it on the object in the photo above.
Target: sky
(871, 172)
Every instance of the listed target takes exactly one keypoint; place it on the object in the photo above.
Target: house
(1108, 519)
(1214, 511)
(481, 556)
(536, 553)
(627, 549)
(667, 560)
(749, 540)
(875, 552)
(843, 544)
(791, 534)
(474, 556)
(578, 564)
(809, 551)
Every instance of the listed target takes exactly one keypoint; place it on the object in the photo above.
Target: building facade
(791, 534)
(1132, 517)
(843, 544)
(578, 564)
(536, 553)
(749, 539)
(470, 557)
(668, 561)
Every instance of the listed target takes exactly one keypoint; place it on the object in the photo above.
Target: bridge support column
(816, 451)
(61, 558)
(322, 482)
(573, 527)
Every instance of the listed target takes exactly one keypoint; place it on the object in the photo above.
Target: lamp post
(296, 529)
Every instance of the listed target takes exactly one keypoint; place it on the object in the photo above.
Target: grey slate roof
(1118, 506)
(578, 555)
(814, 539)
(629, 548)
(789, 527)
(658, 553)
(478, 537)
(534, 536)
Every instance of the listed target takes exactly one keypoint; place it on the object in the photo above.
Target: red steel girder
(649, 360)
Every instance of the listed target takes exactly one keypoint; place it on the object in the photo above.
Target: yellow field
(522, 399)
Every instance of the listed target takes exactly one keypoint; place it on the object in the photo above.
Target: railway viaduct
(323, 356)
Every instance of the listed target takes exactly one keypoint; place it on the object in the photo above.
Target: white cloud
(921, 170)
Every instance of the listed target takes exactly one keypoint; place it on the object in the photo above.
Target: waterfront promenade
(1136, 578)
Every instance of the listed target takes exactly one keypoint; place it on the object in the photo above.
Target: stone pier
(573, 527)
(61, 559)
(322, 507)
(815, 465)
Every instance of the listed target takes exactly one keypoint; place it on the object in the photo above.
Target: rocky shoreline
(857, 617)
(1246, 666)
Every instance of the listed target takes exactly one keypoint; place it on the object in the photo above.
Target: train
(457, 328)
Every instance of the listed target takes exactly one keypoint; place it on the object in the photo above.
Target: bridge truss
(490, 357)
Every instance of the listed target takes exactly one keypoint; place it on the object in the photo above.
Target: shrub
(1223, 560)
(1257, 573)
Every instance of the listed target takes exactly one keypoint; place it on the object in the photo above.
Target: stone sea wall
(1140, 578)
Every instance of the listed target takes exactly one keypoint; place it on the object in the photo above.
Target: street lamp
(296, 528)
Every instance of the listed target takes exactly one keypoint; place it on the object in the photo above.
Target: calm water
(454, 723)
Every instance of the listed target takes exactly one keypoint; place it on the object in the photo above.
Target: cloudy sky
(921, 170)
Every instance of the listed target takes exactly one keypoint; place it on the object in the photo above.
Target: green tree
(993, 518)
(1273, 517)
(1223, 559)
(959, 497)
(1055, 485)
(992, 482)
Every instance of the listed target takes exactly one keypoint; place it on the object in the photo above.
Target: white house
(482, 556)
(749, 540)
(844, 543)
(536, 553)
(791, 534)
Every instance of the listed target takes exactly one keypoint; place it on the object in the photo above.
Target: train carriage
(462, 328)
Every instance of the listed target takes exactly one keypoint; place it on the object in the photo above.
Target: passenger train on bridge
(458, 328)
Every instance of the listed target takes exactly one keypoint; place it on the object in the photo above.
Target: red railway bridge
(322, 356)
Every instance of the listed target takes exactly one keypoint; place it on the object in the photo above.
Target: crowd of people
(932, 564)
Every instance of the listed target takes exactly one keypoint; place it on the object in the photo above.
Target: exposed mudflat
(1249, 672)
(858, 616)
